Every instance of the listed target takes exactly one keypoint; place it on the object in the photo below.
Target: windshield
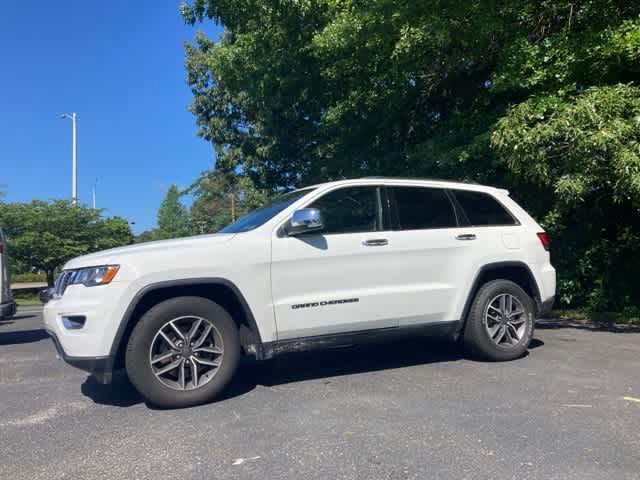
(265, 213)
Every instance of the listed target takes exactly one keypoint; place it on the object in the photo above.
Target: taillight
(544, 240)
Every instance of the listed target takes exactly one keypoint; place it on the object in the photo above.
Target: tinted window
(350, 210)
(421, 208)
(263, 214)
(482, 209)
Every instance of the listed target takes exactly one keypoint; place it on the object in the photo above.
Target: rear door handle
(466, 236)
(375, 242)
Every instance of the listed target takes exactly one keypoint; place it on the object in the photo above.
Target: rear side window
(419, 208)
(482, 209)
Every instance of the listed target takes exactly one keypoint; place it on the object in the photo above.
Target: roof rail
(430, 179)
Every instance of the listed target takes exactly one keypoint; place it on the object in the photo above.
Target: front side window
(481, 209)
(267, 212)
(351, 210)
(420, 208)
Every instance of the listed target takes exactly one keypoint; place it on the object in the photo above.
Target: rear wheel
(500, 322)
(183, 352)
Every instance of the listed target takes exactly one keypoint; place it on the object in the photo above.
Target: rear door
(433, 255)
(495, 230)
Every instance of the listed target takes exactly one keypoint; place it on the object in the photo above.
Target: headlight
(92, 276)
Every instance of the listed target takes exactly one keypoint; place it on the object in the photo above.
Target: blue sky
(120, 66)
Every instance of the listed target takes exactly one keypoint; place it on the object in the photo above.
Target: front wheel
(500, 322)
(183, 352)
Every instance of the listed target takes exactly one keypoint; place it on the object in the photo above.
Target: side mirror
(45, 295)
(305, 220)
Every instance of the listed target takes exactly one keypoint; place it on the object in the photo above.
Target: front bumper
(100, 367)
(7, 309)
(89, 343)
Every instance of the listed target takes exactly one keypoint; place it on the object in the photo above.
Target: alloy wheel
(186, 353)
(505, 320)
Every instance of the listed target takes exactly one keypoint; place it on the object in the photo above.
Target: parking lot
(415, 409)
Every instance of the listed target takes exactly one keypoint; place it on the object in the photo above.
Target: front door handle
(376, 242)
(466, 236)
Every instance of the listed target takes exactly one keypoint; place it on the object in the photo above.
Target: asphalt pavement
(413, 409)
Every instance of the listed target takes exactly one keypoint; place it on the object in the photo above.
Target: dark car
(7, 304)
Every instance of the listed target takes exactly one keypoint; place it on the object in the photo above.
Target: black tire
(137, 360)
(477, 340)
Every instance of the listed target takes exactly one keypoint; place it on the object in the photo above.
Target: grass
(630, 316)
(24, 299)
(28, 277)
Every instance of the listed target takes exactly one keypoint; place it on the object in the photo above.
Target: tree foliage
(582, 155)
(173, 216)
(146, 236)
(44, 235)
(538, 96)
(220, 199)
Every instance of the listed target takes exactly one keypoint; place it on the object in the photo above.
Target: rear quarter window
(482, 209)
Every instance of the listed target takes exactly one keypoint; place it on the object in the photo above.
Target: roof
(433, 182)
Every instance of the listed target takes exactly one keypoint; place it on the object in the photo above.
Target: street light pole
(74, 157)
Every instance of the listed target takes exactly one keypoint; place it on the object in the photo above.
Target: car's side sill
(436, 329)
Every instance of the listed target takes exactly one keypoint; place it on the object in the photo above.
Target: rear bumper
(7, 309)
(100, 367)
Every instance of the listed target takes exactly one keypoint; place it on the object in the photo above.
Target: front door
(336, 280)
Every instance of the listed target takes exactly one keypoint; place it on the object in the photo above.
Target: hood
(114, 255)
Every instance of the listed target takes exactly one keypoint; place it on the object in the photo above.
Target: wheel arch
(517, 272)
(220, 290)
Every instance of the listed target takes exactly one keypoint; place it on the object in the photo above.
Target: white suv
(333, 264)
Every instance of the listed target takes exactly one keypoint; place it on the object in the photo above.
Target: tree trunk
(233, 206)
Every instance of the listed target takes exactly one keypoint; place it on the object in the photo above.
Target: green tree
(173, 217)
(582, 154)
(537, 96)
(364, 88)
(146, 236)
(44, 235)
(220, 199)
